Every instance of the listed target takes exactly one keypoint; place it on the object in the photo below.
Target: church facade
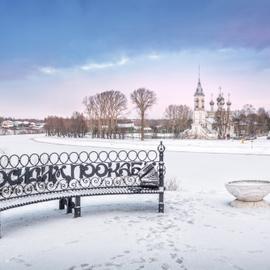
(214, 123)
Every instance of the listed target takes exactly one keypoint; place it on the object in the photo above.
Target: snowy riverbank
(199, 230)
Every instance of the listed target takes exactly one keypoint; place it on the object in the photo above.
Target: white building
(204, 123)
(127, 125)
(7, 124)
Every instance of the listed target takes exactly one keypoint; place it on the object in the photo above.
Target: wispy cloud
(154, 56)
(103, 65)
(88, 66)
(48, 70)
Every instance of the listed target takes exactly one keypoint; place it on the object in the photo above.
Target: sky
(53, 53)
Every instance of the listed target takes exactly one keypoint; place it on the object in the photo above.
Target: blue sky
(55, 52)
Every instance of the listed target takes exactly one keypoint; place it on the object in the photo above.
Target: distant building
(7, 124)
(21, 127)
(125, 124)
(147, 129)
(204, 124)
(18, 124)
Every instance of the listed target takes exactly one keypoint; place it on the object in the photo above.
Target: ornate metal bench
(66, 177)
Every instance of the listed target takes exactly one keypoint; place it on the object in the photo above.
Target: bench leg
(77, 208)
(62, 203)
(0, 226)
(161, 202)
(69, 204)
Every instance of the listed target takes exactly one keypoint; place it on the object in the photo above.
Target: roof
(125, 125)
(199, 90)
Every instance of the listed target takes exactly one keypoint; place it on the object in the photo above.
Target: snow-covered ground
(197, 231)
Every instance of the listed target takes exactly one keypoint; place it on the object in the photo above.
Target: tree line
(75, 126)
(178, 118)
(251, 122)
(105, 110)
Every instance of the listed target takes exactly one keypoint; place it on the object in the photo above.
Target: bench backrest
(42, 173)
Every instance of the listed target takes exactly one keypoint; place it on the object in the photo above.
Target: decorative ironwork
(161, 172)
(46, 173)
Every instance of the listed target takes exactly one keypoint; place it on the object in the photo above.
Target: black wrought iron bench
(29, 179)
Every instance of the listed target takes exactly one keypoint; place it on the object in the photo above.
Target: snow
(260, 146)
(198, 230)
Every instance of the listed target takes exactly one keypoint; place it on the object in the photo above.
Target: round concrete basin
(249, 190)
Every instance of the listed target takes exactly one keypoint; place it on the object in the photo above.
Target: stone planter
(249, 193)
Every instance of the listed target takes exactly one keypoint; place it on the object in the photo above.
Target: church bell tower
(199, 116)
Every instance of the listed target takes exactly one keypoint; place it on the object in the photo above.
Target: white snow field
(260, 146)
(198, 230)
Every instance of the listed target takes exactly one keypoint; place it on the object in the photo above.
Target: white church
(204, 123)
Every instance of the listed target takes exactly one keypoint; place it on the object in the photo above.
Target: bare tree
(78, 125)
(75, 126)
(222, 122)
(237, 121)
(249, 122)
(90, 110)
(104, 109)
(117, 103)
(262, 121)
(144, 99)
(248, 109)
(178, 117)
